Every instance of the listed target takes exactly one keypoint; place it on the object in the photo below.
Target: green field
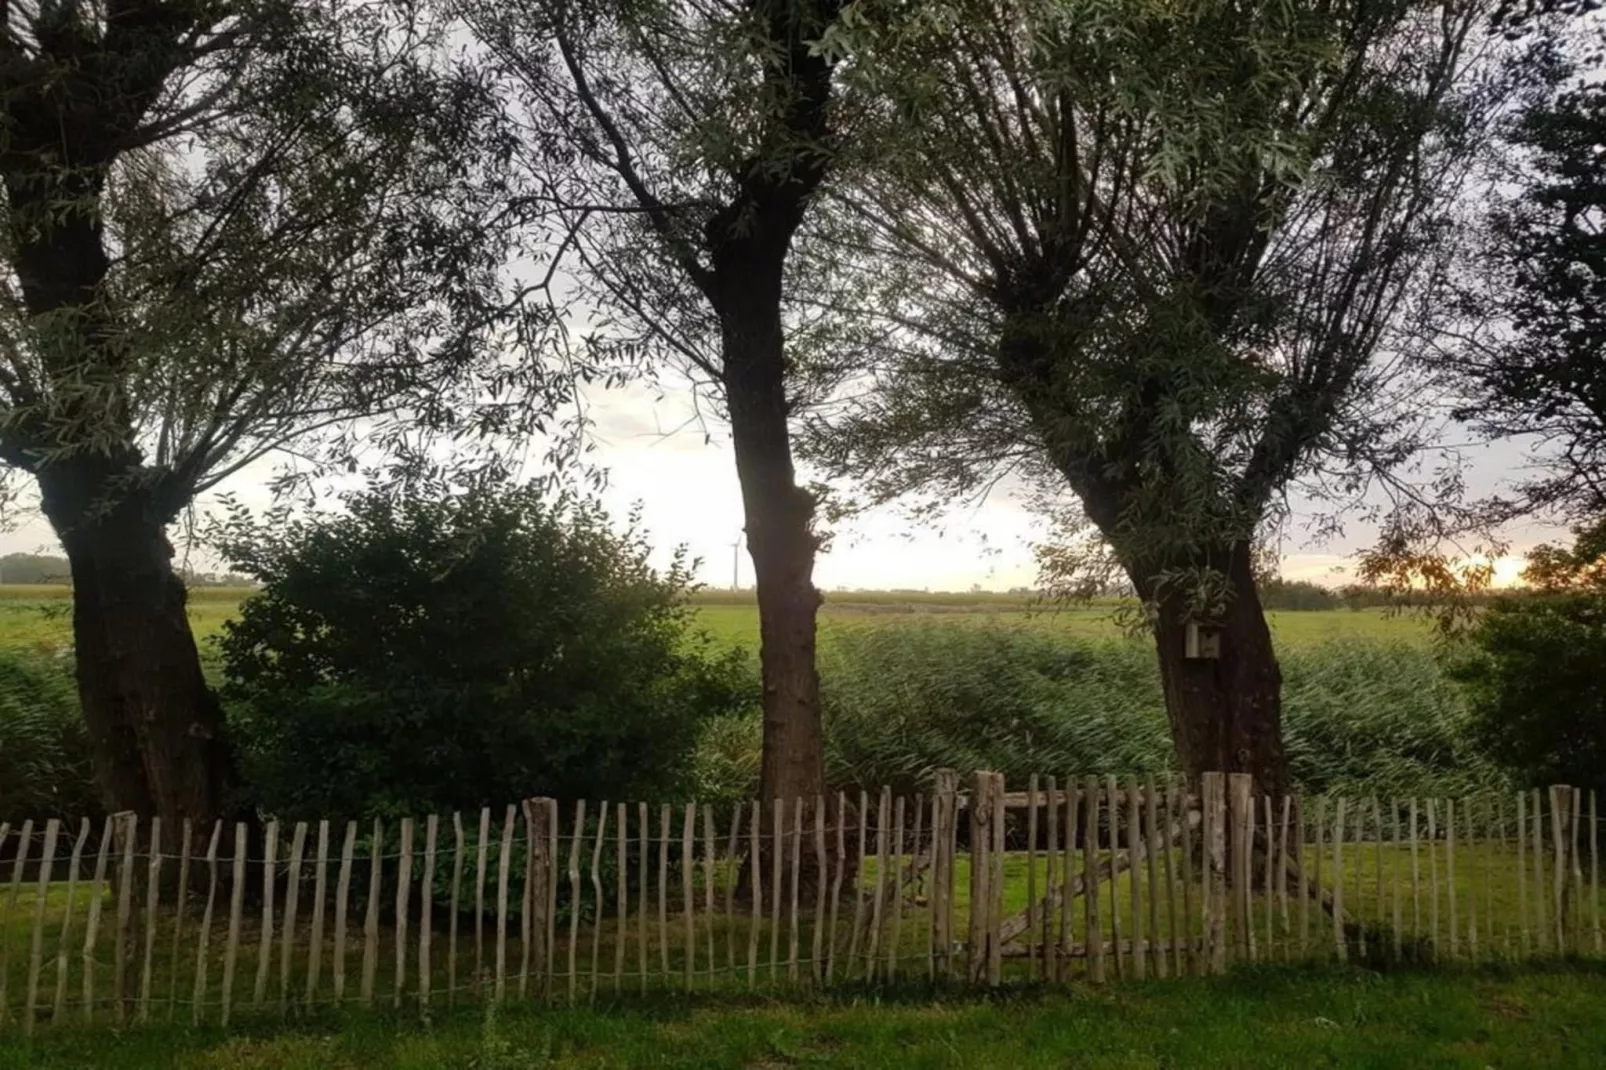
(1266, 1018)
(38, 619)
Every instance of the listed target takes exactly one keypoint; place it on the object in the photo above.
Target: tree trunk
(1226, 711)
(778, 516)
(155, 725)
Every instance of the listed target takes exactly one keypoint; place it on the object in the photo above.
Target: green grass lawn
(38, 619)
(1282, 1018)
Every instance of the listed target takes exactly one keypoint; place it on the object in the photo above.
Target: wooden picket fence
(1069, 879)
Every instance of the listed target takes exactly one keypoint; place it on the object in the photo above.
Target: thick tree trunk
(1225, 711)
(780, 539)
(155, 725)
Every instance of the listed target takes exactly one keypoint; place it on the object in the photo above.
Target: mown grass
(38, 618)
(1278, 1018)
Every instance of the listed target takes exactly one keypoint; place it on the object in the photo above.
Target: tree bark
(155, 725)
(1225, 712)
(781, 542)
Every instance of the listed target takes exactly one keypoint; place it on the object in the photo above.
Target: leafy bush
(436, 648)
(45, 765)
(1534, 670)
(902, 700)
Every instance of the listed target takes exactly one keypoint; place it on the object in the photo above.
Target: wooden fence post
(943, 839)
(541, 817)
(1240, 801)
(981, 827)
(1214, 799)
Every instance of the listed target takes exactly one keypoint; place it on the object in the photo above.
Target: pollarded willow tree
(1163, 259)
(683, 142)
(231, 227)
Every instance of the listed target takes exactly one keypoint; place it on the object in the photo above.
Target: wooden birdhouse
(1203, 641)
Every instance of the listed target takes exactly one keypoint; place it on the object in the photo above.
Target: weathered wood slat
(755, 881)
(1151, 802)
(36, 949)
(730, 889)
(320, 885)
(481, 864)
(709, 871)
(839, 871)
(1090, 876)
(452, 920)
(821, 869)
(92, 922)
(688, 867)
(1526, 940)
(348, 850)
(292, 902)
(1113, 796)
(895, 907)
(198, 1000)
(1033, 798)
(574, 896)
(404, 888)
(797, 850)
(621, 894)
(153, 886)
(1134, 837)
(186, 838)
(129, 830)
(596, 895)
(426, 912)
(63, 961)
(231, 950)
(663, 889)
(777, 838)
(644, 896)
(370, 925)
(873, 944)
(270, 848)
(24, 846)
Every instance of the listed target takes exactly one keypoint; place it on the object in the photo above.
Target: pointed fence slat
(370, 925)
(198, 1000)
(755, 883)
(36, 950)
(797, 850)
(1134, 822)
(574, 896)
(265, 948)
(24, 845)
(709, 870)
(644, 894)
(817, 950)
(125, 907)
(730, 889)
(777, 841)
(404, 888)
(426, 911)
(185, 844)
(231, 950)
(348, 849)
(292, 898)
(153, 887)
(320, 879)
(92, 923)
(688, 833)
(482, 859)
(63, 961)
(622, 894)
(452, 920)
(1090, 869)
(1152, 849)
(596, 892)
(663, 888)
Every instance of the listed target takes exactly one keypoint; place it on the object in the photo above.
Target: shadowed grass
(1258, 1018)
